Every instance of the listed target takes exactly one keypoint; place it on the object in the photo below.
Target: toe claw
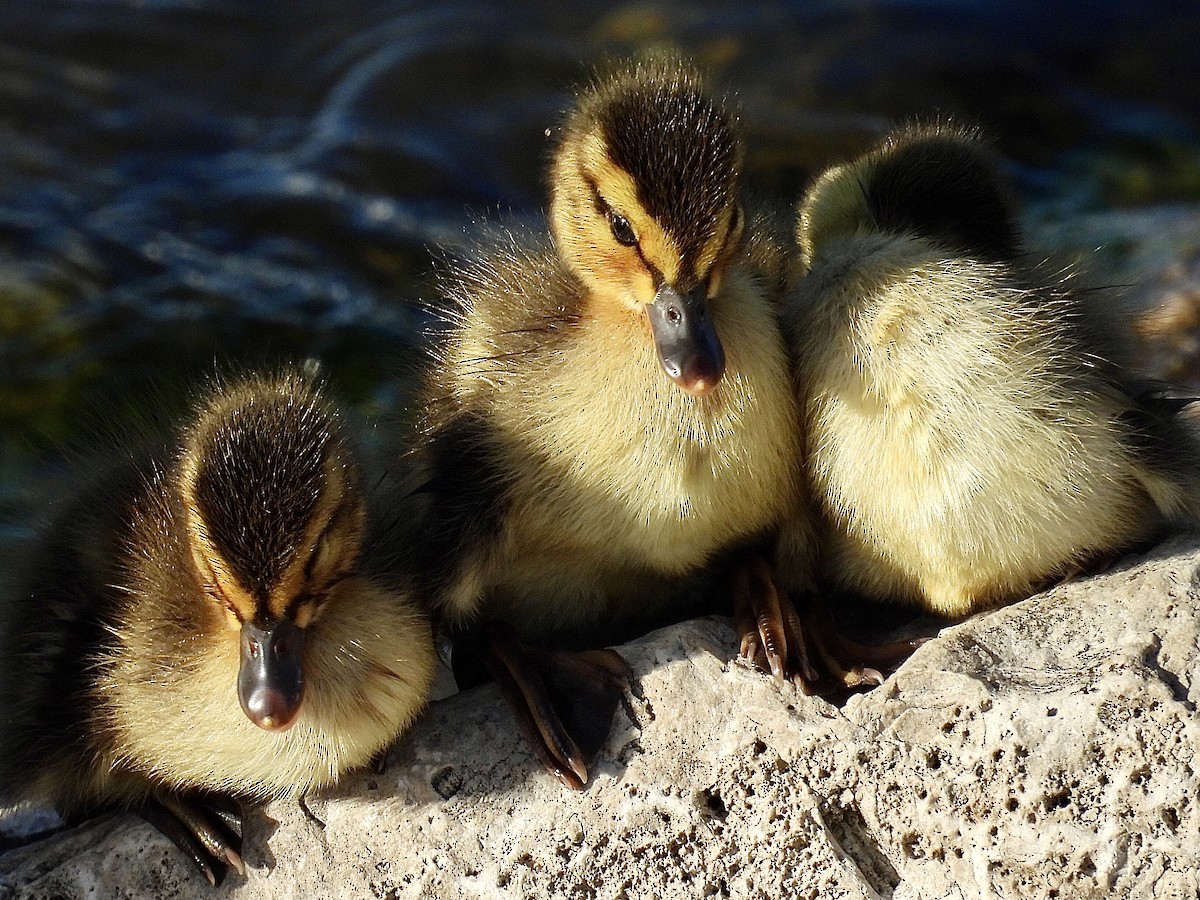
(563, 702)
(862, 677)
(197, 826)
(806, 652)
(235, 861)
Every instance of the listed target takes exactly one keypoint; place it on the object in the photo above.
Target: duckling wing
(54, 626)
(463, 504)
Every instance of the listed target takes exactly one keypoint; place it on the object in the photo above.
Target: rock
(1150, 258)
(19, 823)
(1047, 749)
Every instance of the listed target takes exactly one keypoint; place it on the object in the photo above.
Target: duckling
(202, 627)
(610, 410)
(972, 433)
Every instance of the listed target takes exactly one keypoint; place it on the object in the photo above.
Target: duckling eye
(622, 230)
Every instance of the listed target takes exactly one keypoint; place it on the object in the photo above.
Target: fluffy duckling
(202, 627)
(971, 435)
(611, 410)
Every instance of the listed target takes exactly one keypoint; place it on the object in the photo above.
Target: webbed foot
(563, 701)
(806, 650)
(205, 827)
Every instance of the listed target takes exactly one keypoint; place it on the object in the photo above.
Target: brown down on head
(644, 208)
(274, 517)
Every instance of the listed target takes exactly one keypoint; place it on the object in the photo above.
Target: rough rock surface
(1150, 257)
(1045, 750)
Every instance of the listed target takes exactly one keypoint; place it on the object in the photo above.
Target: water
(183, 184)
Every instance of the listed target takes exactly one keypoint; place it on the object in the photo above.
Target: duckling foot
(872, 662)
(775, 637)
(563, 702)
(771, 631)
(205, 829)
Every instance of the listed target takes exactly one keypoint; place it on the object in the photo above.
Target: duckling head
(936, 180)
(275, 520)
(644, 208)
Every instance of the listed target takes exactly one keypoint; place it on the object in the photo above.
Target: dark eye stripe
(622, 231)
(336, 518)
(631, 239)
(601, 206)
(306, 598)
(655, 271)
(217, 593)
(212, 586)
(731, 234)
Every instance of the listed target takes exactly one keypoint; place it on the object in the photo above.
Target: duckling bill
(618, 394)
(688, 347)
(201, 628)
(973, 430)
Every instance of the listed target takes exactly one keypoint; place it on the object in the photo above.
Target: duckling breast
(170, 709)
(623, 469)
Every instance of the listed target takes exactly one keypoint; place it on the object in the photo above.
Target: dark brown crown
(680, 146)
(261, 453)
(940, 181)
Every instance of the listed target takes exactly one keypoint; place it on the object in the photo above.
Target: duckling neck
(619, 470)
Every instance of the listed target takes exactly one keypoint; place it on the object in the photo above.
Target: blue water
(187, 183)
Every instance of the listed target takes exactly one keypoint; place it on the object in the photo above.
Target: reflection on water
(190, 182)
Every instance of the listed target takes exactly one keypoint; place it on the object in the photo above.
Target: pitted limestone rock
(1043, 750)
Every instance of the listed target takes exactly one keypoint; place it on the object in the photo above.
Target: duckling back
(969, 427)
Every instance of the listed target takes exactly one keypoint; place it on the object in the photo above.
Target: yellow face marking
(293, 580)
(327, 547)
(618, 189)
(306, 613)
(620, 274)
(714, 246)
(214, 571)
(720, 247)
